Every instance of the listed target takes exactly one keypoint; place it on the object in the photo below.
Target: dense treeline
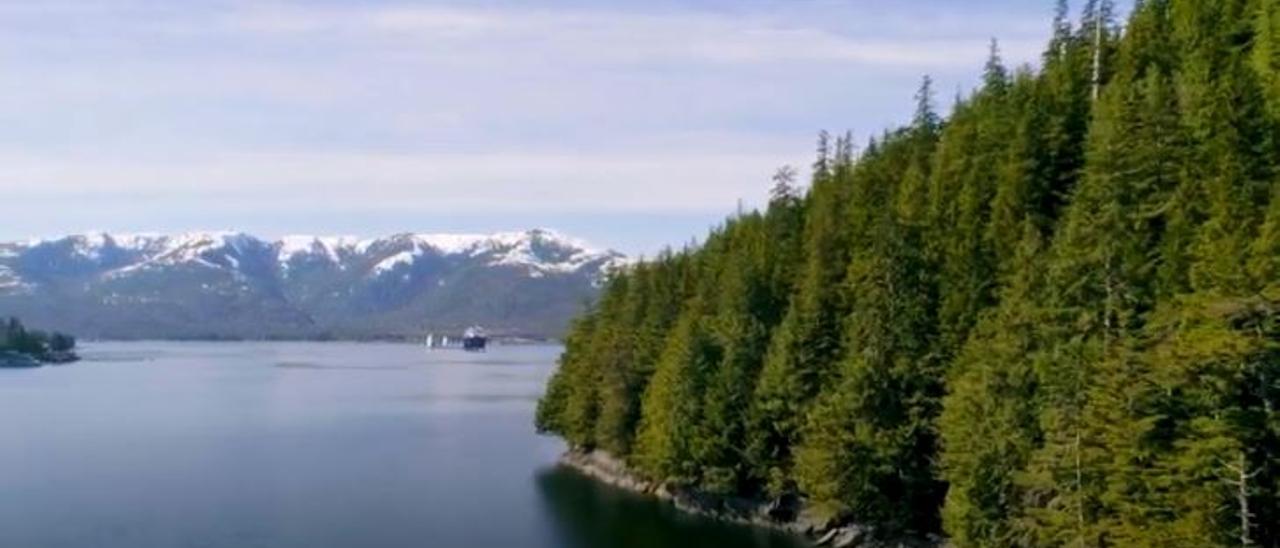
(14, 337)
(1051, 319)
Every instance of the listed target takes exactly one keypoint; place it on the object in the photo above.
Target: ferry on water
(475, 339)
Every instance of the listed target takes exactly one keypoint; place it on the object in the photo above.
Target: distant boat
(474, 339)
(431, 340)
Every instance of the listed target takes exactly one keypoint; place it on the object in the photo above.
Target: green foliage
(1188, 422)
(14, 337)
(1050, 319)
(865, 447)
(1266, 50)
(802, 356)
(1265, 261)
(666, 442)
(988, 423)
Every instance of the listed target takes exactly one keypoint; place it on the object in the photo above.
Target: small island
(20, 347)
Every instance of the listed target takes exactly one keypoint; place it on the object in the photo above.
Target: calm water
(306, 445)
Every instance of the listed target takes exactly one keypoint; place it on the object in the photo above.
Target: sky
(632, 124)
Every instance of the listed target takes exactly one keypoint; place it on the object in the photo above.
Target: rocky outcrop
(785, 513)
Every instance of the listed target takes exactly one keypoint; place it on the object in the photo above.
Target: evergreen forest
(16, 338)
(1050, 317)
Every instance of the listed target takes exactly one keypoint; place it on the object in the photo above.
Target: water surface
(151, 445)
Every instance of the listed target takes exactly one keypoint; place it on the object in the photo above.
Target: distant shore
(502, 341)
(26, 348)
(784, 515)
(17, 360)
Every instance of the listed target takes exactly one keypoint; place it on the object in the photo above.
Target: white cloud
(427, 182)
(205, 107)
(629, 37)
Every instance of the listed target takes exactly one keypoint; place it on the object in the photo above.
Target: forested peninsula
(1050, 319)
(21, 347)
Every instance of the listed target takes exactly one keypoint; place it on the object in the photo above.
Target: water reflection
(307, 445)
(588, 514)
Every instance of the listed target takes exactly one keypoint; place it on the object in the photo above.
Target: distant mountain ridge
(236, 285)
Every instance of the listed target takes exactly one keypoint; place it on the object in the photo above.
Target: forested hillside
(1050, 319)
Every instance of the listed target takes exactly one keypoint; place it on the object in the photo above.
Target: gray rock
(848, 536)
(763, 513)
(828, 538)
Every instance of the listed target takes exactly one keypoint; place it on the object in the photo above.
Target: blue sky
(632, 124)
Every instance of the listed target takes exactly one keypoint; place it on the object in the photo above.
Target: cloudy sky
(632, 124)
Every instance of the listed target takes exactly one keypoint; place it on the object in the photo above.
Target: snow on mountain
(540, 251)
(543, 250)
(330, 248)
(200, 284)
(92, 244)
(10, 283)
(206, 249)
(391, 263)
(194, 247)
(450, 244)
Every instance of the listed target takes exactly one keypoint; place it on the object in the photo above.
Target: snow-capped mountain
(231, 284)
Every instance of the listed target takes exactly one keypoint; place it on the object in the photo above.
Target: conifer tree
(912, 199)
(864, 444)
(741, 331)
(1266, 51)
(1059, 306)
(1196, 450)
(988, 423)
(667, 443)
(963, 185)
(802, 355)
(1265, 262)
(1232, 139)
(1099, 281)
(614, 349)
(664, 442)
(1025, 179)
(566, 407)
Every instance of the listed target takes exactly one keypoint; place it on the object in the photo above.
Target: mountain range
(235, 285)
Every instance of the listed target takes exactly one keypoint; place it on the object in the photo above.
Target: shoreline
(10, 359)
(789, 517)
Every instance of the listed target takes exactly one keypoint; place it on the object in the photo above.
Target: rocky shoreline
(787, 515)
